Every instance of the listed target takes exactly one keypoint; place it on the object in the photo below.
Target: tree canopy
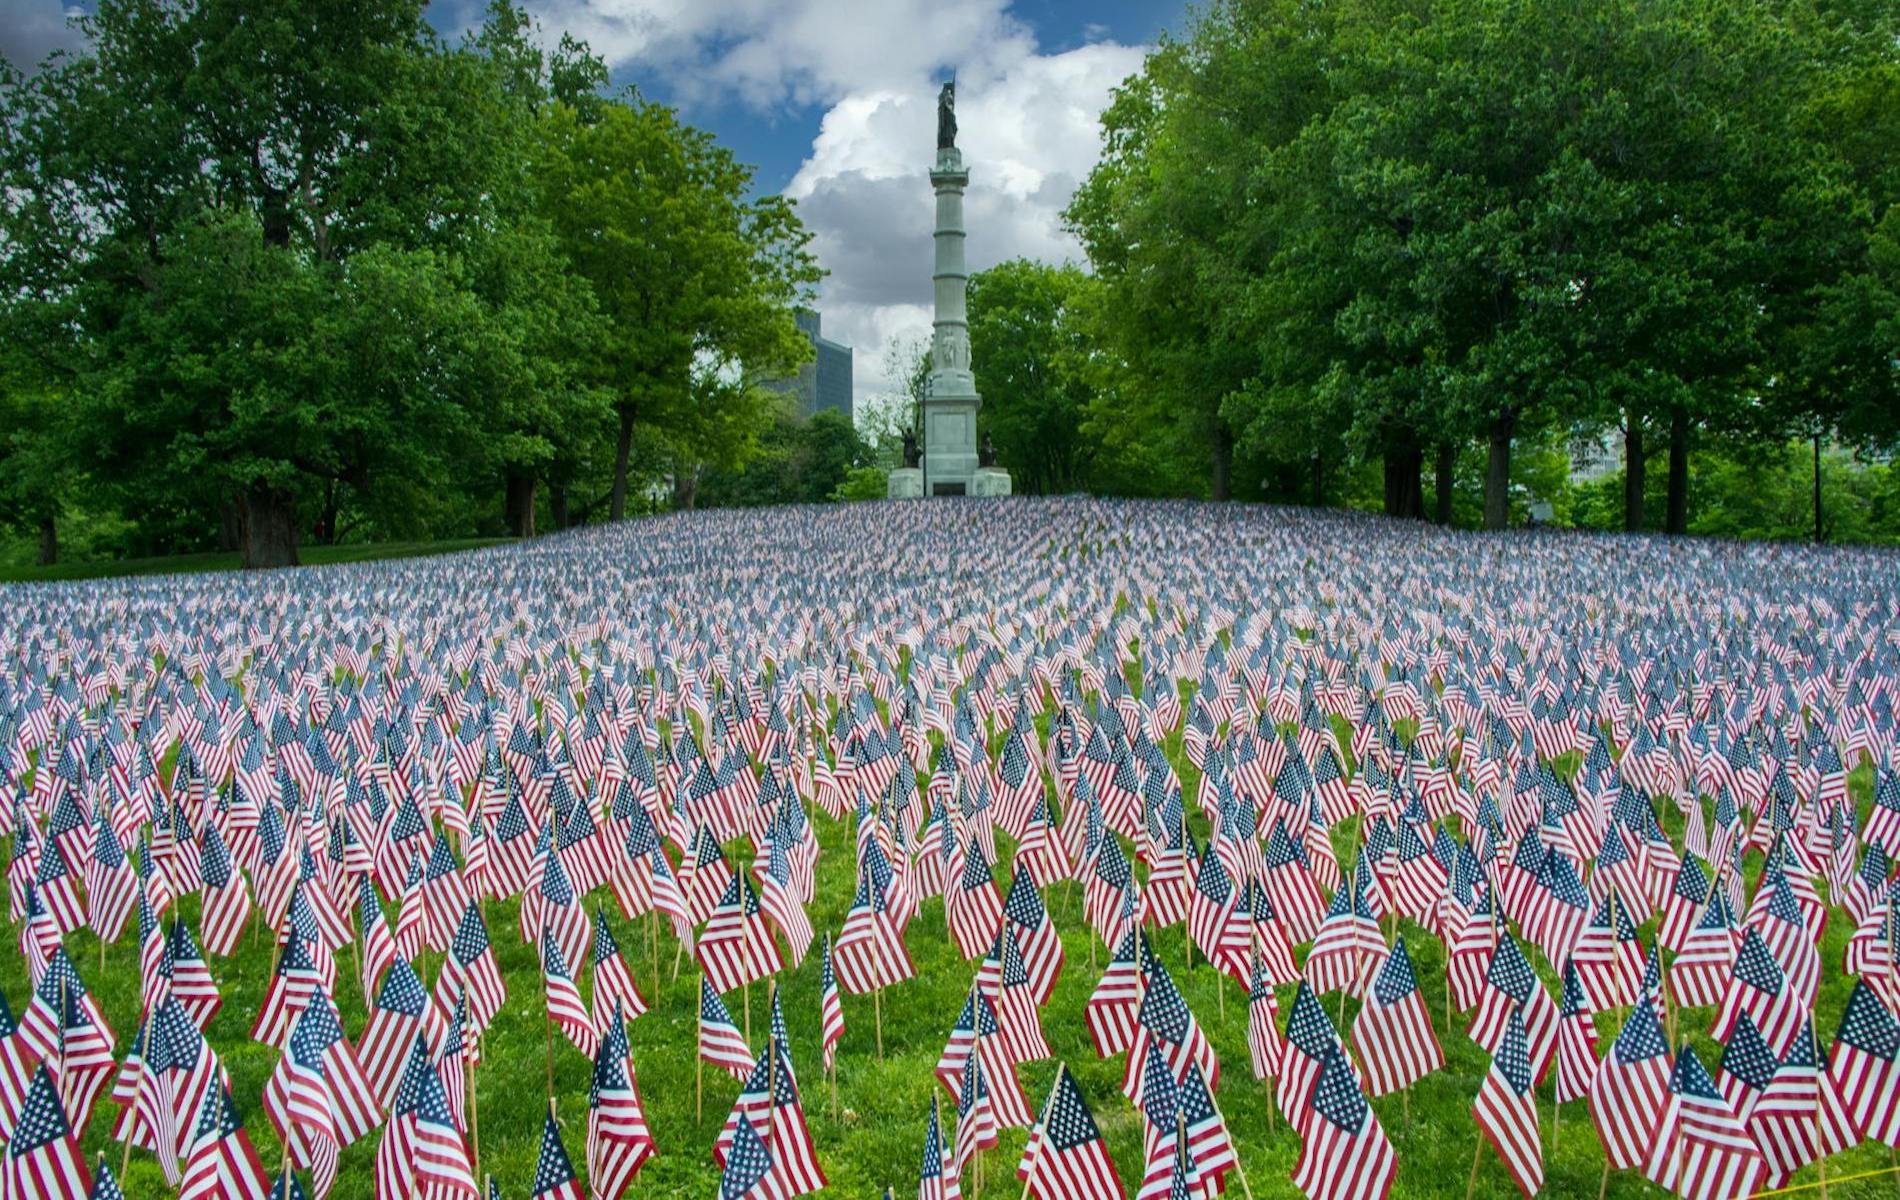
(312, 271)
(1394, 228)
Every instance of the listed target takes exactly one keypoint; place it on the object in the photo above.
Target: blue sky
(833, 101)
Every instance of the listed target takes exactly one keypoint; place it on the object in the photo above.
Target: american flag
(1035, 933)
(770, 1101)
(563, 998)
(1165, 1019)
(1209, 1144)
(1576, 1040)
(1161, 1125)
(1344, 1154)
(830, 1007)
(1798, 1115)
(1511, 985)
(870, 952)
(1393, 1031)
(1349, 942)
(1065, 1158)
(554, 1177)
(376, 949)
(1758, 988)
(613, 983)
(972, 908)
(319, 1098)
(748, 1173)
(1110, 1012)
(1263, 1031)
(221, 1163)
(736, 947)
(471, 966)
(936, 1179)
(1863, 1070)
(1506, 1109)
(1627, 1098)
(42, 1158)
(1699, 1150)
(976, 1116)
(618, 1141)
(403, 1010)
(1309, 1038)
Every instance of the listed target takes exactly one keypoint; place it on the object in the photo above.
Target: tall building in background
(824, 382)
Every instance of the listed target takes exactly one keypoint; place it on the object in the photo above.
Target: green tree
(1027, 342)
(276, 257)
(696, 278)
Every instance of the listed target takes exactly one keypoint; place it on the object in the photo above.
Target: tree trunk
(1497, 473)
(231, 524)
(1677, 520)
(685, 487)
(1221, 481)
(1319, 481)
(1442, 482)
(269, 521)
(1820, 529)
(1404, 474)
(49, 539)
(326, 524)
(520, 505)
(623, 451)
(557, 505)
(1635, 473)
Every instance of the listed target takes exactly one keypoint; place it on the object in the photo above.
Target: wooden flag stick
(547, 1028)
(653, 940)
(745, 947)
(771, 1078)
(699, 1088)
(1477, 1159)
(474, 1105)
(877, 1009)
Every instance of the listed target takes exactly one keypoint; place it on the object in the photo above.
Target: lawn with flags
(468, 868)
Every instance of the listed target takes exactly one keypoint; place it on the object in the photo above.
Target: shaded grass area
(875, 1139)
(227, 560)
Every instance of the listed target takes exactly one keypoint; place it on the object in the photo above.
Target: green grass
(227, 560)
(876, 1138)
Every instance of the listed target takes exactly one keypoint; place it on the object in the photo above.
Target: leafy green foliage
(797, 462)
(1380, 228)
(313, 273)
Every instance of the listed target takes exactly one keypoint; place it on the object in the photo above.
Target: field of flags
(1046, 848)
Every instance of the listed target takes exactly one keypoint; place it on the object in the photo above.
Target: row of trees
(1387, 231)
(278, 272)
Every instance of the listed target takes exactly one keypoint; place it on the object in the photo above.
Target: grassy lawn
(875, 1136)
(227, 560)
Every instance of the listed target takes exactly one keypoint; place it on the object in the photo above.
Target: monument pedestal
(907, 483)
(990, 481)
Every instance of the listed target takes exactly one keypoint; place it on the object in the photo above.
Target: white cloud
(32, 29)
(1027, 127)
(770, 52)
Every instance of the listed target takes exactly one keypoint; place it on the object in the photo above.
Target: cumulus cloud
(32, 29)
(1027, 127)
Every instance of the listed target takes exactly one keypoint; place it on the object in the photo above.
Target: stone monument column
(950, 465)
(950, 399)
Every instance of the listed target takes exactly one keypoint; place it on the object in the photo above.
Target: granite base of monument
(906, 483)
(989, 481)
